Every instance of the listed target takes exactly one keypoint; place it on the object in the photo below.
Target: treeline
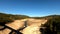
(5, 18)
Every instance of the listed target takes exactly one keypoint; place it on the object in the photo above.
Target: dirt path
(33, 26)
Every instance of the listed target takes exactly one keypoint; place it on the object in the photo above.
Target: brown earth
(33, 26)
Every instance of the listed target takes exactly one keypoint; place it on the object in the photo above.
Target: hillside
(4, 18)
(47, 17)
(53, 24)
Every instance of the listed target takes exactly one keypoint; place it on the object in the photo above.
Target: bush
(53, 24)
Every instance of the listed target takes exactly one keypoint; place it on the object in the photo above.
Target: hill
(46, 17)
(5, 18)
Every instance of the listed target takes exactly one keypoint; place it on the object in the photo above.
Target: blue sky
(30, 7)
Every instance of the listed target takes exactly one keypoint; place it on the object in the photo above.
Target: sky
(30, 7)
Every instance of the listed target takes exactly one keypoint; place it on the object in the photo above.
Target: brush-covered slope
(5, 18)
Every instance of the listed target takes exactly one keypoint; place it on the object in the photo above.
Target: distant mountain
(4, 18)
(47, 17)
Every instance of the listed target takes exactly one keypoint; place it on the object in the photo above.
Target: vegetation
(7, 18)
(53, 24)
